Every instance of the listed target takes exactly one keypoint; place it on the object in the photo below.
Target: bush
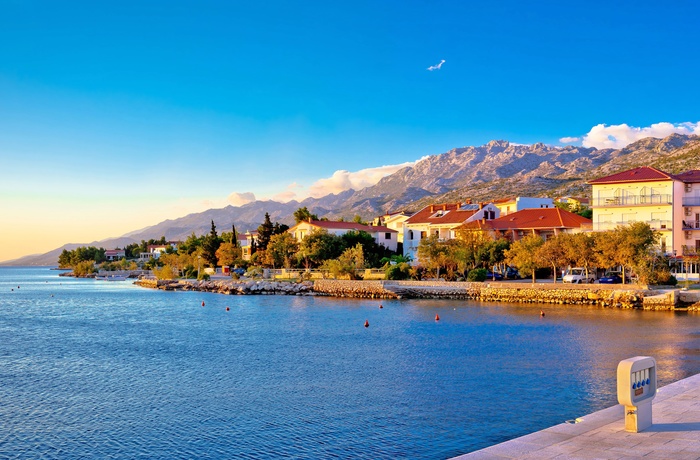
(400, 271)
(478, 274)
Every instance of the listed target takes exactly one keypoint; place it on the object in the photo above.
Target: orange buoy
(437, 317)
(381, 306)
(366, 323)
(227, 309)
(541, 312)
(202, 303)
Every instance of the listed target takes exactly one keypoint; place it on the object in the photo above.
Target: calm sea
(94, 369)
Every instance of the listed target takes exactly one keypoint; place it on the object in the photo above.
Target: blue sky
(117, 116)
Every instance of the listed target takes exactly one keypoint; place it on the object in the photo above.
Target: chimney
(481, 206)
(459, 205)
(432, 208)
(444, 207)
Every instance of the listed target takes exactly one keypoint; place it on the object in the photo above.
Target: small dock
(675, 433)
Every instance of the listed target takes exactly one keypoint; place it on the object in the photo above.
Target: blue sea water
(94, 369)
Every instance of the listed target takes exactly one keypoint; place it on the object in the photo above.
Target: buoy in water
(541, 312)
(227, 309)
(381, 306)
(437, 317)
(202, 303)
(366, 323)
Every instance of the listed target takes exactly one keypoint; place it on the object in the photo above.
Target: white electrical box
(636, 387)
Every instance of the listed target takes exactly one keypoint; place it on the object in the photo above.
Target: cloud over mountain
(239, 199)
(619, 136)
(342, 180)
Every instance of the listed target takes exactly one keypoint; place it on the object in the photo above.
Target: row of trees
(632, 247)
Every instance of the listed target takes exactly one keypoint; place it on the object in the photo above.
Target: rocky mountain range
(498, 169)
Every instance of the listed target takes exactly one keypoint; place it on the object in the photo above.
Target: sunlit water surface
(95, 369)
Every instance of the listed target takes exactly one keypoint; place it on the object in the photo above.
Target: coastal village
(416, 245)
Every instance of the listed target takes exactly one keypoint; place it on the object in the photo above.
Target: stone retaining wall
(601, 295)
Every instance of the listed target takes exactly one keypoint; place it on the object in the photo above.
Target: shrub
(478, 274)
(401, 271)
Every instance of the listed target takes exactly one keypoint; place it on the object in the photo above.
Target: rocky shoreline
(606, 296)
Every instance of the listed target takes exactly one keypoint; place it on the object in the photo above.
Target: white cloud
(239, 199)
(619, 136)
(344, 180)
(569, 140)
(436, 66)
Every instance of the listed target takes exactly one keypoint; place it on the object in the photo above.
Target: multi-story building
(669, 203)
(442, 220)
(690, 201)
(382, 235)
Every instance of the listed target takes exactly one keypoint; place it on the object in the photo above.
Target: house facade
(112, 255)
(642, 194)
(442, 220)
(394, 221)
(382, 235)
(514, 204)
(689, 234)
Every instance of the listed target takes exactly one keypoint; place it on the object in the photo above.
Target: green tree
(317, 246)
(210, 246)
(553, 253)
(351, 260)
(281, 249)
(228, 254)
(303, 214)
(432, 254)
(265, 232)
(523, 254)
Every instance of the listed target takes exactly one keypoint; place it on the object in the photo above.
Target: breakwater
(231, 287)
(617, 296)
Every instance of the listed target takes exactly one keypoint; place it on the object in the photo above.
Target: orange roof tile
(334, 225)
(539, 218)
(641, 174)
(443, 214)
(692, 176)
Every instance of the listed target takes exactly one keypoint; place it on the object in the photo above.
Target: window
(387, 236)
(410, 234)
(688, 187)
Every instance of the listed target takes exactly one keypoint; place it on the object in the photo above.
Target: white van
(577, 275)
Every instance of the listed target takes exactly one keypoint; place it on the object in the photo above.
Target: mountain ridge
(494, 170)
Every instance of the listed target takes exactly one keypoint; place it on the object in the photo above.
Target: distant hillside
(497, 169)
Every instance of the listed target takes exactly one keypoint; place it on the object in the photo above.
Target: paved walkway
(675, 433)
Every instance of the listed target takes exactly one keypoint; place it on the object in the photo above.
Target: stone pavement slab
(675, 433)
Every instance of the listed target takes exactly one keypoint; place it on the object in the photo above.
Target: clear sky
(118, 115)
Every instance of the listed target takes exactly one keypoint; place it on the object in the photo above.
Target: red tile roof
(692, 176)
(641, 174)
(333, 225)
(539, 218)
(442, 214)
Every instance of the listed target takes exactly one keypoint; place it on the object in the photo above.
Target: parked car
(611, 278)
(512, 273)
(493, 276)
(578, 275)
(238, 271)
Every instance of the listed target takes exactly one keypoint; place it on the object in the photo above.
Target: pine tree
(211, 245)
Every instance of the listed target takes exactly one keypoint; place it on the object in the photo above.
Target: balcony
(660, 225)
(691, 225)
(691, 201)
(633, 200)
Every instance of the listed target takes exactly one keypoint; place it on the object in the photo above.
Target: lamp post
(199, 258)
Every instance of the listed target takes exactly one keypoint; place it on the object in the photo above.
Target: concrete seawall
(617, 296)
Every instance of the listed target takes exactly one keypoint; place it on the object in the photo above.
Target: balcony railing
(662, 225)
(691, 201)
(691, 225)
(633, 200)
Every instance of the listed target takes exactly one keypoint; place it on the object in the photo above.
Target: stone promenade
(675, 433)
